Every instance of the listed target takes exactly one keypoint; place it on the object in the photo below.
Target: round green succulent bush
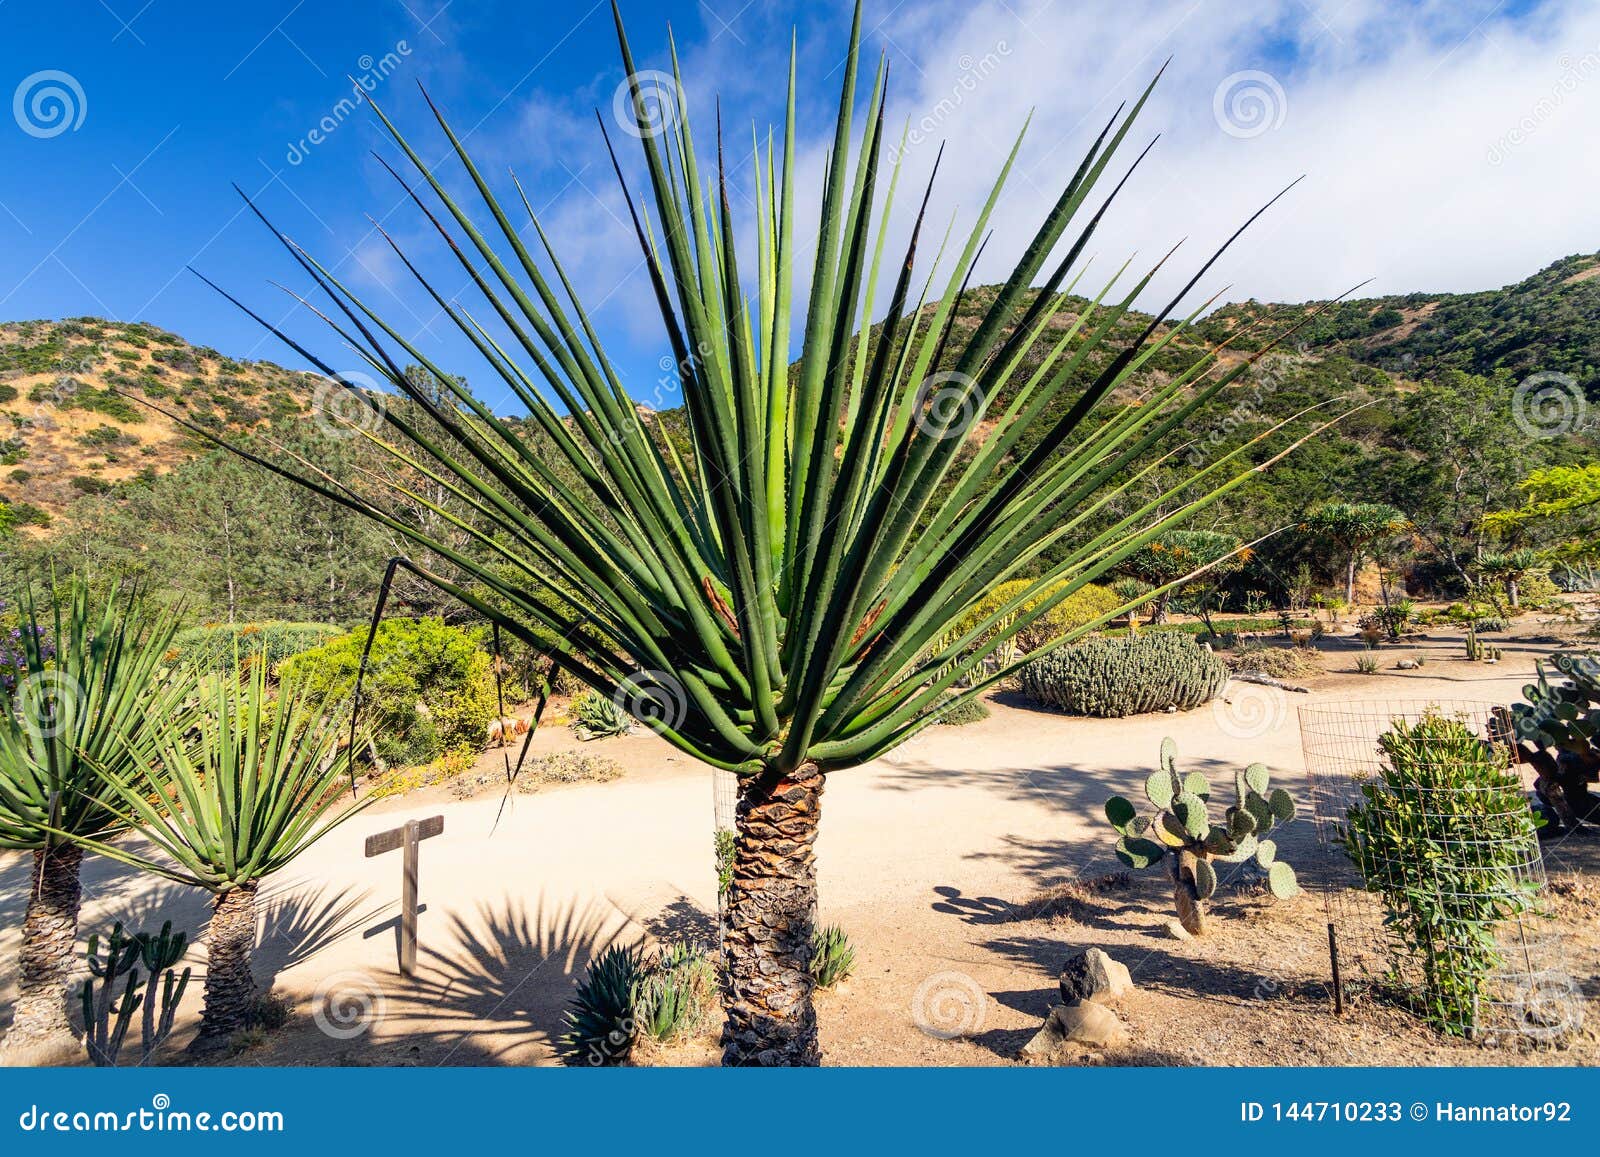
(1127, 676)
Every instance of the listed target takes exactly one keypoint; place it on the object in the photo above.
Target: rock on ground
(1092, 975)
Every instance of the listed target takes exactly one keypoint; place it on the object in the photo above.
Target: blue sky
(1447, 145)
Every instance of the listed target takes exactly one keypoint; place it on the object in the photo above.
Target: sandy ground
(924, 858)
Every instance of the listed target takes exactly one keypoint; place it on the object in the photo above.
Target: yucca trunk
(40, 1027)
(230, 987)
(771, 912)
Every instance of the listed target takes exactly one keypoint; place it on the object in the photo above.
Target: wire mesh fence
(1429, 865)
(724, 799)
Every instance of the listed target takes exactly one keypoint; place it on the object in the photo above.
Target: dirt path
(923, 858)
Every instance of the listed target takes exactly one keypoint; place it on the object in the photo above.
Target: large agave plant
(88, 673)
(777, 600)
(230, 794)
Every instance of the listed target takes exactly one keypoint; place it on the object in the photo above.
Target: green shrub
(595, 716)
(677, 994)
(8, 393)
(1126, 676)
(832, 957)
(1367, 662)
(1083, 605)
(1439, 835)
(429, 686)
(972, 711)
(227, 646)
(724, 845)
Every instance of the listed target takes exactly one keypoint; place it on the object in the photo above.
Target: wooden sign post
(408, 837)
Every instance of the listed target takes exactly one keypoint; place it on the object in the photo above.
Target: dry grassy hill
(71, 422)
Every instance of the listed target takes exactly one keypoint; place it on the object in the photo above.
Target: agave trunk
(1186, 894)
(767, 982)
(49, 932)
(230, 988)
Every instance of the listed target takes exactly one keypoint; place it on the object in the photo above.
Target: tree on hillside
(1462, 456)
(1560, 509)
(1177, 553)
(777, 602)
(1351, 529)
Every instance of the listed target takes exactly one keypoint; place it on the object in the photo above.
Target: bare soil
(966, 867)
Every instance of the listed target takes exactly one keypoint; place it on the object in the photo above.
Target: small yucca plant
(87, 673)
(230, 795)
(832, 957)
(602, 1027)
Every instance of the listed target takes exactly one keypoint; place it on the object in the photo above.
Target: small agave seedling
(1182, 825)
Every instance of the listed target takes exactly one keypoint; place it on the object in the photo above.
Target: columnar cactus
(1182, 825)
(1478, 651)
(103, 1035)
(160, 952)
(106, 1024)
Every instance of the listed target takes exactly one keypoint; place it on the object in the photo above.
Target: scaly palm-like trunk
(772, 902)
(41, 1028)
(230, 987)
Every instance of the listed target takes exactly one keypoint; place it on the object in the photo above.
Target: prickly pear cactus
(1182, 833)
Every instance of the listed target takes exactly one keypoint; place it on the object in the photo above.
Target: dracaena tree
(776, 598)
(85, 672)
(1351, 529)
(228, 793)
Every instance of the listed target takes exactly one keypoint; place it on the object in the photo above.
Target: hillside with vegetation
(70, 419)
(1549, 322)
(92, 479)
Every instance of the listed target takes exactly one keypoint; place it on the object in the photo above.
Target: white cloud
(1441, 150)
